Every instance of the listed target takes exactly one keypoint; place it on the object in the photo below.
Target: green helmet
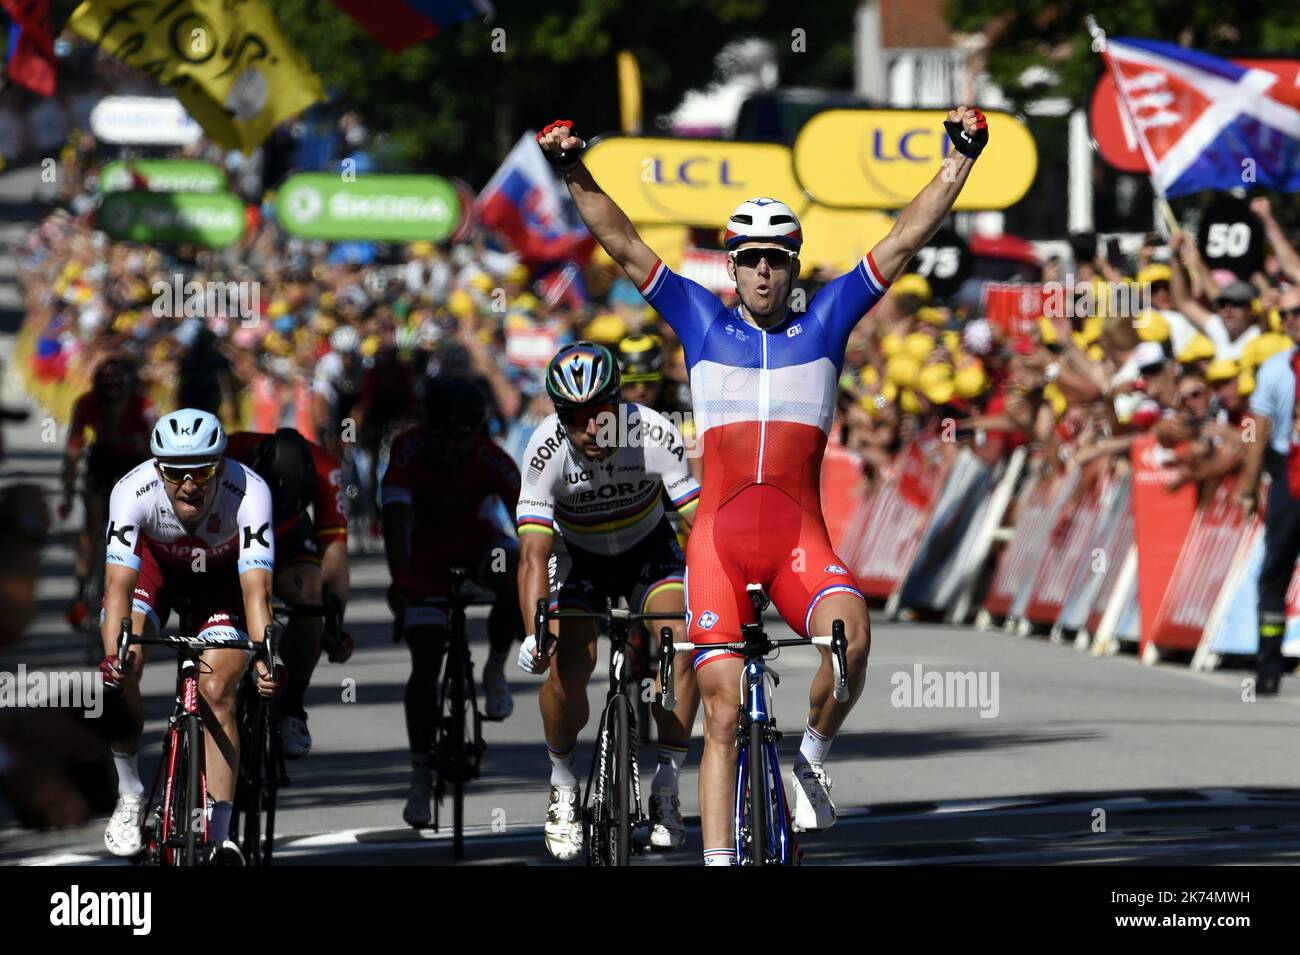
(581, 374)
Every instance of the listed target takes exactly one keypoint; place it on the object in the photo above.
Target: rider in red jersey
(763, 383)
(311, 554)
(120, 418)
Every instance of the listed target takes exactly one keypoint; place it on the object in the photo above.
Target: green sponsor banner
(375, 206)
(211, 219)
(163, 175)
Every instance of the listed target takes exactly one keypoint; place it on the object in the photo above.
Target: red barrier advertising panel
(841, 490)
(1161, 521)
(1200, 574)
(1024, 554)
(894, 521)
(1068, 556)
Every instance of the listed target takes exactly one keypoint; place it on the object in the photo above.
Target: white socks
(128, 774)
(719, 857)
(815, 746)
(562, 770)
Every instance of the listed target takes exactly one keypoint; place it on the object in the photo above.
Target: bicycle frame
(761, 828)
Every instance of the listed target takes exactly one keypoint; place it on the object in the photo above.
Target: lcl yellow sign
(694, 182)
(880, 159)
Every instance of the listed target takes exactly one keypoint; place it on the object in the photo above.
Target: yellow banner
(880, 159)
(230, 65)
(694, 182)
(839, 237)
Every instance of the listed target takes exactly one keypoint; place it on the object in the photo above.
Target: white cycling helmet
(757, 220)
(188, 433)
(344, 339)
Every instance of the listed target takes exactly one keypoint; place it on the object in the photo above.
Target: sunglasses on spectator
(749, 258)
(1290, 312)
(1192, 394)
(1232, 303)
(200, 474)
(579, 418)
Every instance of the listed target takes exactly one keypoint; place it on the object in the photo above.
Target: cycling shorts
(760, 535)
(215, 598)
(580, 580)
(297, 544)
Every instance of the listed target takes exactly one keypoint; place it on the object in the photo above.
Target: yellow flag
(230, 65)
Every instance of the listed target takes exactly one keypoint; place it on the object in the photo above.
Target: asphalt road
(1070, 758)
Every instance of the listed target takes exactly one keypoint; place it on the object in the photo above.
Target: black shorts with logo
(297, 543)
(581, 580)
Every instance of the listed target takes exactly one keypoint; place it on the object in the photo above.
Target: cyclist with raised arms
(311, 555)
(189, 524)
(598, 468)
(763, 384)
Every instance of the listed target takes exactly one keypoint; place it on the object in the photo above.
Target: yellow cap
(1047, 331)
(912, 284)
(1221, 370)
(1263, 347)
(917, 345)
(891, 345)
(868, 377)
(327, 300)
(527, 301)
(481, 282)
(518, 273)
(1246, 382)
(952, 341)
(276, 344)
(1095, 353)
(902, 370)
(1151, 326)
(936, 383)
(907, 401)
(970, 380)
(889, 391)
(1091, 332)
(607, 329)
(369, 345)
(1198, 349)
(460, 304)
(277, 309)
(932, 315)
(1155, 272)
(421, 248)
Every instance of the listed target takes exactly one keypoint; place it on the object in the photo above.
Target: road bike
(761, 828)
(612, 818)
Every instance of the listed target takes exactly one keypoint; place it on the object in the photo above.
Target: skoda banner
(162, 175)
(374, 207)
(211, 219)
(881, 158)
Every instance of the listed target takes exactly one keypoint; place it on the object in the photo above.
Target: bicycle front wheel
(454, 761)
(621, 790)
(194, 801)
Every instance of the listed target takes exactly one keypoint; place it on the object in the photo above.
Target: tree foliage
(454, 104)
(1025, 33)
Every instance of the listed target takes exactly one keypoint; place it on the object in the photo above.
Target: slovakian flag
(522, 202)
(398, 24)
(30, 45)
(564, 284)
(1206, 123)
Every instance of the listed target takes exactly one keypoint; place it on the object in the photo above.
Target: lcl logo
(698, 171)
(886, 149)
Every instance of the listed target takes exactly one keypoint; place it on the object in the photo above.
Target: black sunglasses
(1289, 312)
(776, 258)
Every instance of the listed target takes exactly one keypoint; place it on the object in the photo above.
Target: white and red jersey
(236, 529)
(763, 399)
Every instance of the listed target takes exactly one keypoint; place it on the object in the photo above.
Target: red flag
(32, 62)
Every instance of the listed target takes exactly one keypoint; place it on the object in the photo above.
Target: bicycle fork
(772, 804)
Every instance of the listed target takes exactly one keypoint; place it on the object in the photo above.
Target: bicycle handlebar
(611, 613)
(264, 648)
(837, 643)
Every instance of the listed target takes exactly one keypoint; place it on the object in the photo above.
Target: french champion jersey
(763, 400)
(237, 527)
(605, 507)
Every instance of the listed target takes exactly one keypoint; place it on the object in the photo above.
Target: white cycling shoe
(667, 828)
(418, 813)
(813, 809)
(226, 854)
(563, 828)
(295, 738)
(124, 835)
(498, 703)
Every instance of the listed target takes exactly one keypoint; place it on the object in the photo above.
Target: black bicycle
(458, 735)
(761, 821)
(612, 817)
(178, 832)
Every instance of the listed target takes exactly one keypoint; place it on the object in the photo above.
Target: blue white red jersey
(763, 400)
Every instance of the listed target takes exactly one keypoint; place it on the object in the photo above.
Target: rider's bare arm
(917, 223)
(119, 584)
(334, 570)
(607, 222)
(534, 556)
